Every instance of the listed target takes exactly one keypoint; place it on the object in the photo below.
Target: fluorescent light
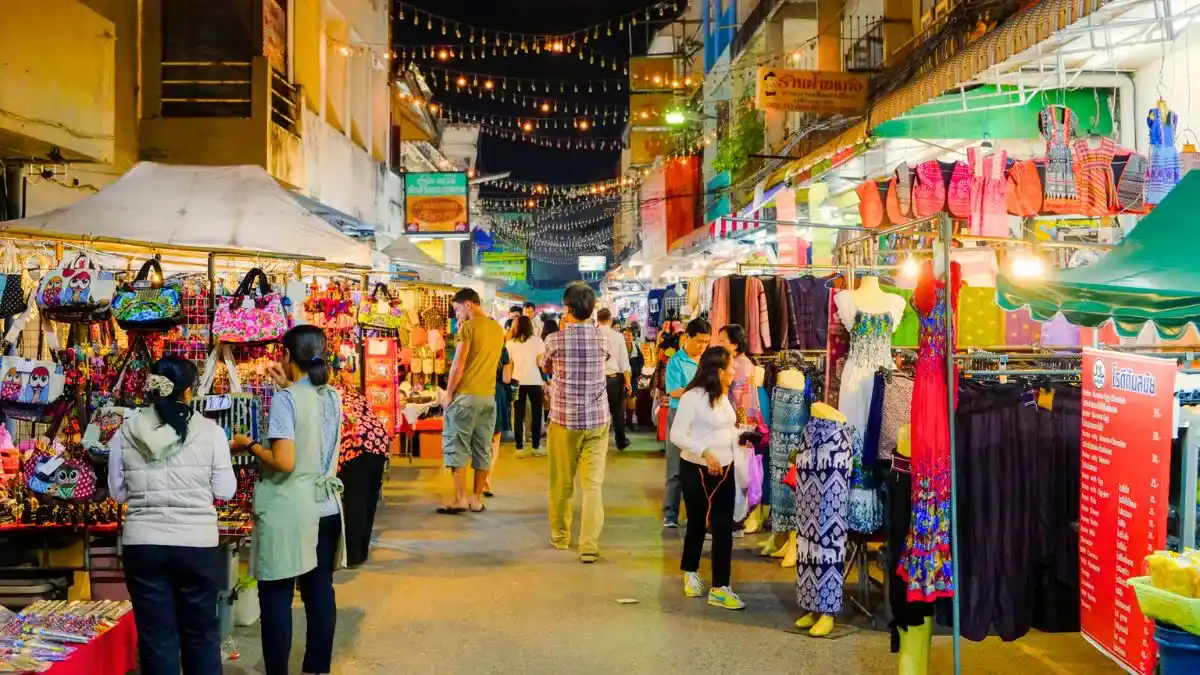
(675, 117)
(909, 267)
(1025, 266)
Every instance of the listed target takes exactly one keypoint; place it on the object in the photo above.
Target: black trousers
(362, 478)
(536, 397)
(320, 609)
(616, 406)
(174, 594)
(709, 499)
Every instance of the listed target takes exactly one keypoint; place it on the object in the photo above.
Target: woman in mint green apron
(297, 540)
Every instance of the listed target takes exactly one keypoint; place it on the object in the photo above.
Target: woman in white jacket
(706, 432)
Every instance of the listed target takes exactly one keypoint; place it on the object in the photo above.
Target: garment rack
(1020, 373)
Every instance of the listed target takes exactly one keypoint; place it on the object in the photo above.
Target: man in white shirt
(530, 310)
(618, 374)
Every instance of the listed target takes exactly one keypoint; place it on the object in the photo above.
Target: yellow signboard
(818, 91)
(436, 203)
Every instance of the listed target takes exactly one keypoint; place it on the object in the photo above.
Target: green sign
(436, 203)
(510, 266)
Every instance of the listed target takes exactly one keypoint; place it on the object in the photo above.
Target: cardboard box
(429, 445)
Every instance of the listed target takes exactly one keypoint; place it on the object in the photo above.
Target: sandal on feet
(451, 510)
(481, 509)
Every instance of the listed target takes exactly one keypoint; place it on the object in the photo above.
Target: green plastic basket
(1166, 606)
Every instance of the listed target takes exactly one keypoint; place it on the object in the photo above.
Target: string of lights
(582, 123)
(462, 80)
(566, 189)
(450, 52)
(533, 226)
(549, 204)
(562, 142)
(551, 105)
(567, 41)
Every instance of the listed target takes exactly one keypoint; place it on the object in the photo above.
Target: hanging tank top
(929, 190)
(958, 195)
(1024, 196)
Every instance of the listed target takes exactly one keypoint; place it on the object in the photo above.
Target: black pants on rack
(362, 478)
(320, 609)
(536, 397)
(174, 594)
(616, 407)
(709, 499)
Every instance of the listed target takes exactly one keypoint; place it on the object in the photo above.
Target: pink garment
(758, 319)
(742, 392)
(1020, 329)
(929, 190)
(989, 193)
(958, 195)
(718, 317)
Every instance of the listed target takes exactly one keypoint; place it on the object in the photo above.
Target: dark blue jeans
(320, 609)
(174, 594)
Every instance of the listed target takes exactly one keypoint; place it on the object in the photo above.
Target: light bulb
(461, 81)
(545, 107)
(443, 55)
(909, 267)
(528, 126)
(1027, 266)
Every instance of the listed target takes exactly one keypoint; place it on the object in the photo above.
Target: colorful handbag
(249, 318)
(52, 472)
(13, 300)
(149, 302)
(377, 311)
(31, 382)
(77, 293)
(236, 412)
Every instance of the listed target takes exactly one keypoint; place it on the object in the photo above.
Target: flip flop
(451, 510)
(481, 509)
(488, 493)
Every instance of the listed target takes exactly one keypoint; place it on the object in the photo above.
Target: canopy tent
(1153, 275)
(408, 254)
(223, 208)
(356, 228)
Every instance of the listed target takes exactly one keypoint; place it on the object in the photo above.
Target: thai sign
(817, 91)
(436, 203)
(510, 266)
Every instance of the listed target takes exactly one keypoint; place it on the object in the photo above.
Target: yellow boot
(754, 521)
(774, 542)
(914, 649)
(789, 556)
(823, 627)
(807, 621)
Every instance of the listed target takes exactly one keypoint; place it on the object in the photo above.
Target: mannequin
(820, 623)
(755, 520)
(786, 428)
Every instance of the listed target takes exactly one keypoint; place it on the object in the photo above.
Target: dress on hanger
(929, 189)
(989, 193)
(1094, 176)
(1133, 172)
(810, 312)
(958, 194)
(1165, 170)
(823, 463)
(1058, 127)
(925, 564)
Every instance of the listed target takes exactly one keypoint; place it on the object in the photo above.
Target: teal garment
(287, 505)
(906, 332)
(680, 371)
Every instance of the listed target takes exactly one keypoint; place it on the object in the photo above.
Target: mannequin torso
(791, 379)
(827, 412)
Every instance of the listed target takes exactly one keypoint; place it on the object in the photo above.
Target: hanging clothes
(1023, 196)
(897, 411)
(980, 318)
(1094, 176)
(823, 465)
(654, 307)
(1165, 170)
(1020, 330)
(1059, 332)
(1133, 173)
(870, 349)
(906, 332)
(892, 209)
(902, 191)
(978, 265)
(958, 190)
(905, 614)
(929, 190)
(870, 204)
(758, 316)
(925, 565)
(779, 310)
(1058, 126)
(810, 312)
(989, 193)
(789, 415)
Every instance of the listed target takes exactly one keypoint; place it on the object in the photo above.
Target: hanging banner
(654, 215)
(819, 91)
(436, 203)
(510, 266)
(1125, 463)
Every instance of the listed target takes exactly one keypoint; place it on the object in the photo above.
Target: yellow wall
(57, 59)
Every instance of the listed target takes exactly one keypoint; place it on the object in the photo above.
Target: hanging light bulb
(527, 126)
(487, 84)
(545, 107)
(443, 54)
(909, 268)
(461, 81)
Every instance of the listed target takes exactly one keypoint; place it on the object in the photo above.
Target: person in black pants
(528, 353)
(361, 461)
(618, 374)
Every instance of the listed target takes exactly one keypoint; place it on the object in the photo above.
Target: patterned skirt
(822, 503)
(1165, 172)
(789, 413)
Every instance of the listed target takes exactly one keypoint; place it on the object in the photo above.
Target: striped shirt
(575, 358)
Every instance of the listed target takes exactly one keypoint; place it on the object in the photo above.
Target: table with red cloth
(112, 653)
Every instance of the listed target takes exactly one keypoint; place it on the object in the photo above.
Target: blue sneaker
(725, 598)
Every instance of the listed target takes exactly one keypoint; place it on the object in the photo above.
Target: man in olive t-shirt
(470, 402)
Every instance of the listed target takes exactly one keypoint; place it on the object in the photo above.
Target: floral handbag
(149, 302)
(250, 317)
(78, 293)
(378, 311)
(33, 383)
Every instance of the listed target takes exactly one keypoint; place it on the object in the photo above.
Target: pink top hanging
(928, 190)
(958, 195)
(989, 193)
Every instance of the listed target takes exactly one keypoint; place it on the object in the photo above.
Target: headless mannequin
(755, 520)
(871, 299)
(820, 625)
(783, 544)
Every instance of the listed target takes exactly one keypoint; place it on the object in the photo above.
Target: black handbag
(13, 299)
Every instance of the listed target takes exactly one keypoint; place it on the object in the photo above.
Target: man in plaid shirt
(579, 421)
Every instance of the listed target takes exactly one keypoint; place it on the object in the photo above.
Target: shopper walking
(679, 373)
(636, 363)
(579, 420)
(168, 465)
(618, 374)
(361, 461)
(470, 402)
(706, 433)
(528, 354)
(297, 505)
(503, 396)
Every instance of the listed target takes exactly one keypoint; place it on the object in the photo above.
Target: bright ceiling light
(1026, 266)
(909, 268)
(675, 117)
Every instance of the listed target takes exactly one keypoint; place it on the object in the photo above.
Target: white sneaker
(693, 587)
(738, 534)
(725, 598)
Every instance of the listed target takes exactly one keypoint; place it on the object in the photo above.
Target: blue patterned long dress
(823, 467)
(789, 413)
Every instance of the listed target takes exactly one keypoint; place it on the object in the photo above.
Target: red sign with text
(1125, 464)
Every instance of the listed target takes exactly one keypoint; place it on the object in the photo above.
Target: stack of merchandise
(1171, 593)
(48, 632)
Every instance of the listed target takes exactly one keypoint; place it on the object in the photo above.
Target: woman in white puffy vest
(169, 464)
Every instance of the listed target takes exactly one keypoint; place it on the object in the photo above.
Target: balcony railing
(285, 103)
(206, 88)
(862, 44)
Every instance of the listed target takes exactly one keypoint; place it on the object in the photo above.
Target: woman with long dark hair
(528, 354)
(297, 505)
(705, 431)
(168, 464)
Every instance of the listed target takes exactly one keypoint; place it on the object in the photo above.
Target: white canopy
(408, 254)
(218, 207)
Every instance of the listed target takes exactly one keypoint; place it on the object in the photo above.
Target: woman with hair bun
(168, 464)
(297, 505)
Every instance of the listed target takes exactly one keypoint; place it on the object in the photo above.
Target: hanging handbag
(149, 302)
(247, 317)
(108, 419)
(376, 311)
(77, 293)
(237, 412)
(31, 383)
(792, 478)
(13, 300)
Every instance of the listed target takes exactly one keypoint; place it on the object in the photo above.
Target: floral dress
(925, 564)
(1165, 169)
(362, 432)
(1058, 126)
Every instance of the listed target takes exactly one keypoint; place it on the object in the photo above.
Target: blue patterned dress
(789, 414)
(823, 466)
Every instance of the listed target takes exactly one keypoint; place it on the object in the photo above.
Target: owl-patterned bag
(77, 293)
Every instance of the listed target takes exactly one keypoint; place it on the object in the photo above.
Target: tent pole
(947, 228)
(212, 295)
